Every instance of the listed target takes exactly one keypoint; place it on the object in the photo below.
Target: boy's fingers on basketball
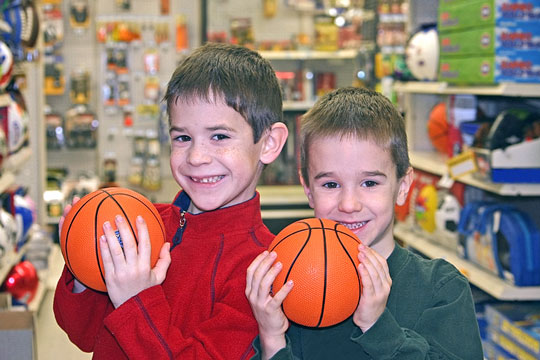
(117, 254)
(162, 265)
(380, 265)
(269, 278)
(283, 292)
(128, 242)
(261, 272)
(250, 272)
(106, 256)
(144, 240)
(367, 282)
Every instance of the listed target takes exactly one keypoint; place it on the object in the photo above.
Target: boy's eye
(219, 137)
(331, 185)
(370, 183)
(182, 138)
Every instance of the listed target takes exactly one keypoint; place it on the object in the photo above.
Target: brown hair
(243, 79)
(359, 112)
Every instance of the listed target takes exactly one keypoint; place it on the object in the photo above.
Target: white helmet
(6, 65)
(422, 54)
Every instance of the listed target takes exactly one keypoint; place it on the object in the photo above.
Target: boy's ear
(273, 142)
(404, 186)
(307, 190)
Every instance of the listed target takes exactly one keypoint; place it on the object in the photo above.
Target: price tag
(462, 164)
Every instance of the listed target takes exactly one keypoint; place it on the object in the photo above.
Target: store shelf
(9, 260)
(15, 161)
(314, 54)
(297, 105)
(435, 163)
(6, 180)
(443, 88)
(287, 214)
(484, 280)
(282, 195)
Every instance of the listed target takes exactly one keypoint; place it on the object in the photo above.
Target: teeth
(354, 226)
(208, 180)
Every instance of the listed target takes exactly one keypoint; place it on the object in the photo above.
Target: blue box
(515, 323)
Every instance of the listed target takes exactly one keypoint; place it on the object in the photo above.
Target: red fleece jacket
(199, 312)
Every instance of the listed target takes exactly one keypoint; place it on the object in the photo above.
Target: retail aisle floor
(52, 342)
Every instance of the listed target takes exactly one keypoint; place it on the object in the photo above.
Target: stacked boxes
(514, 327)
(489, 41)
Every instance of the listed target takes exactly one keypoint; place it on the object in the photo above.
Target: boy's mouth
(354, 226)
(207, 180)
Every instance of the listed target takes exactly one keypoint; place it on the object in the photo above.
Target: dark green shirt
(429, 315)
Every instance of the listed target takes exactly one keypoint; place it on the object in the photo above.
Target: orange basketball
(321, 257)
(437, 127)
(83, 226)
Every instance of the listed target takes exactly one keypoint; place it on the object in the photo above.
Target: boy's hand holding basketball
(128, 270)
(267, 308)
(376, 284)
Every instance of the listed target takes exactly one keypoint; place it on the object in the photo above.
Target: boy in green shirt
(354, 169)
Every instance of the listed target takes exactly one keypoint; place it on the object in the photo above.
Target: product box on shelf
(508, 345)
(460, 14)
(517, 323)
(494, 351)
(517, 163)
(508, 66)
(17, 335)
(490, 39)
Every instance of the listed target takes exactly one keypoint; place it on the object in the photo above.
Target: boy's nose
(349, 203)
(197, 155)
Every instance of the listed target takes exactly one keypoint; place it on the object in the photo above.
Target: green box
(477, 41)
(466, 15)
(469, 70)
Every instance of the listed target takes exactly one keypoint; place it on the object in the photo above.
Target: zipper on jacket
(177, 239)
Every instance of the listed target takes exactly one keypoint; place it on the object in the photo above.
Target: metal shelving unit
(479, 277)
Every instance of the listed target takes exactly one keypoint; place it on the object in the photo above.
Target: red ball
(437, 127)
(22, 282)
(321, 257)
(83, 227)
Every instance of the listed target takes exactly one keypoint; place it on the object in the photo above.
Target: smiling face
(354, 182)
(213, 157)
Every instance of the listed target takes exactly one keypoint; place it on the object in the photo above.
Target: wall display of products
(122, 53)
(475, 134)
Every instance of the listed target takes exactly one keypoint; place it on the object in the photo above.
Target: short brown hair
(359, 112)
(240, 76)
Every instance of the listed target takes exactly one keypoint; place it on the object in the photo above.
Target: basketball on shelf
(83, 227)
(321, 257)
(437, 127)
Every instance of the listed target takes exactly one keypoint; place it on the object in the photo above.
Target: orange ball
(437, 127)
(83, 227)
(321, 257)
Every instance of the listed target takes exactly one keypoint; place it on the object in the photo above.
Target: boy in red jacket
(225, 110)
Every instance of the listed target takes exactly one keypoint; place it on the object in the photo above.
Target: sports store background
(80, 89)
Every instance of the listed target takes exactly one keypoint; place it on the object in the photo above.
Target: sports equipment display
(437, 127)
(321, 257)
(83, 227)
(422, 54)
(22, 282)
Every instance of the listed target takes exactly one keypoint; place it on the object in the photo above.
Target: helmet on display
(447, 214)
(422, 54)
(6, 65)
(6, 245)
(18, 127)
(22, 282)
